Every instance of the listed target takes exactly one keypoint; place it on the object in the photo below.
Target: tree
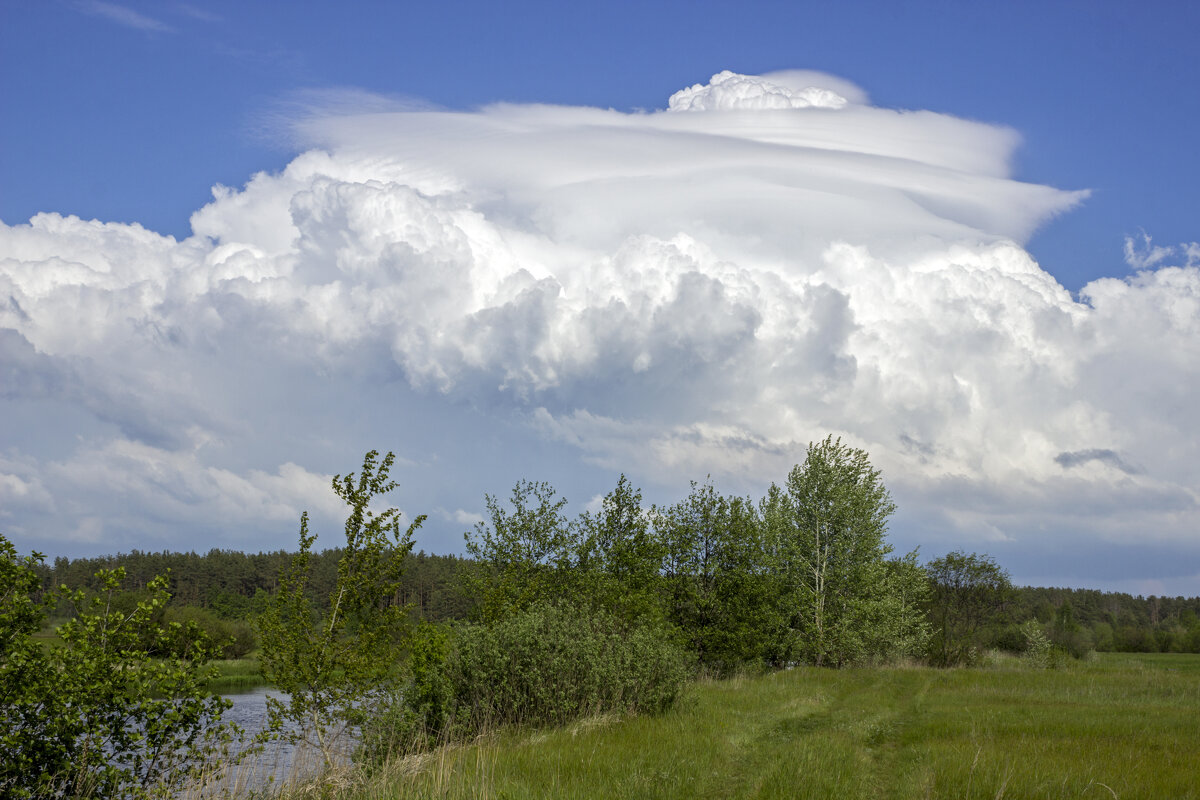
(719, 588)
(967, 592)
(335, 668)
(524, 555)
(619, 558)
(98, 716)
(829, 523)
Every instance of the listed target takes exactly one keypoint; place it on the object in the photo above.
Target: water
(279, 761)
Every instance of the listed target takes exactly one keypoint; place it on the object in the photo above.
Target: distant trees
(966, 593)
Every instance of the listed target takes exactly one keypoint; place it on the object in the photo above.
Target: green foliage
(545, 666)
(720, 583)
(524, 555)
(829, 523)
(967, 593)
(556, 663)
(97, 716)
(803, 576)
(235, 637)
(897, 627)
(336, 666)
(619, 557)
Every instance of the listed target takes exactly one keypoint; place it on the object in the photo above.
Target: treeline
(802, 574)
(238, 586)
(235, 586)
(1089, 619)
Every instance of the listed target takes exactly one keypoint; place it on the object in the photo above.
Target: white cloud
(461, 517)
(1142, 254)
(728, 91)
(668, 294)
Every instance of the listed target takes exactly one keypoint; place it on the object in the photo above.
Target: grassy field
(1124, 726)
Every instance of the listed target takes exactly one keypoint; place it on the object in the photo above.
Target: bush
(546, 666)
(97, 716)
(235, 638)
(1040, 652)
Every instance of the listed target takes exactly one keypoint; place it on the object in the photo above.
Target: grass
(235, 675)
(1124, 726)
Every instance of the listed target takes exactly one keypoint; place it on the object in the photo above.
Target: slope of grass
(1119, 726)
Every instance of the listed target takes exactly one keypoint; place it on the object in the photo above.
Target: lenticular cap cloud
(702, 289)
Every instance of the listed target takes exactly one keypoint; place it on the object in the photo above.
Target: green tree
(829, 524)
(720, 589)
(897, 624)
(524, 555)
(337, 666)
(967, 593)
(98, 716)
(619, 557)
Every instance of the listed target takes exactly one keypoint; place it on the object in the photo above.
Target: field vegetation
(719, 646)
(1121, 726)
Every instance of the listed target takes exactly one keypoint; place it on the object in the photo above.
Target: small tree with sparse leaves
(336, 667)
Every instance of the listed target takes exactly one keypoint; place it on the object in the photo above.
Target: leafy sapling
(337, 663)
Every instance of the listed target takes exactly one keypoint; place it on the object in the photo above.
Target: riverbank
(1120, 726)
(235, 675)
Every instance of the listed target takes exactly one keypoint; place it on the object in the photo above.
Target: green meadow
(1121, 725)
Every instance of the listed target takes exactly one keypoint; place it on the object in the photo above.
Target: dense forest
(236, 586)
(232, 585)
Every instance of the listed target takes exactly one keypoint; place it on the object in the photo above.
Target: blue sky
(132, 112)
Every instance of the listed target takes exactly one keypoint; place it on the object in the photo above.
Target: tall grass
(1118, 726)
(235, 675)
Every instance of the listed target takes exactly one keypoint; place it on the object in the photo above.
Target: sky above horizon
(241, 244)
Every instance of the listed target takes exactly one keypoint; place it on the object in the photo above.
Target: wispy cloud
(1142, 253)
(123, 15)
(194, 12)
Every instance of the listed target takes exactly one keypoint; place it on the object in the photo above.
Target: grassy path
(1127, 727)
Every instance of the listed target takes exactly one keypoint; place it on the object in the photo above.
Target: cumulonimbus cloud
(697, 290)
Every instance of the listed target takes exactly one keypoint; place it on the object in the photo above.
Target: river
(279, 761)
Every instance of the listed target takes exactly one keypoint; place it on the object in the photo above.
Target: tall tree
(719, 586)
(830, 521)
(522, 555)
(619, 558)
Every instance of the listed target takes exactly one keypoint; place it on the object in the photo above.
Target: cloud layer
(673, 293)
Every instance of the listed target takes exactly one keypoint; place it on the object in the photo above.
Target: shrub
(98, 717)
(546, 666)
(1040, 652)
(235, 638)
